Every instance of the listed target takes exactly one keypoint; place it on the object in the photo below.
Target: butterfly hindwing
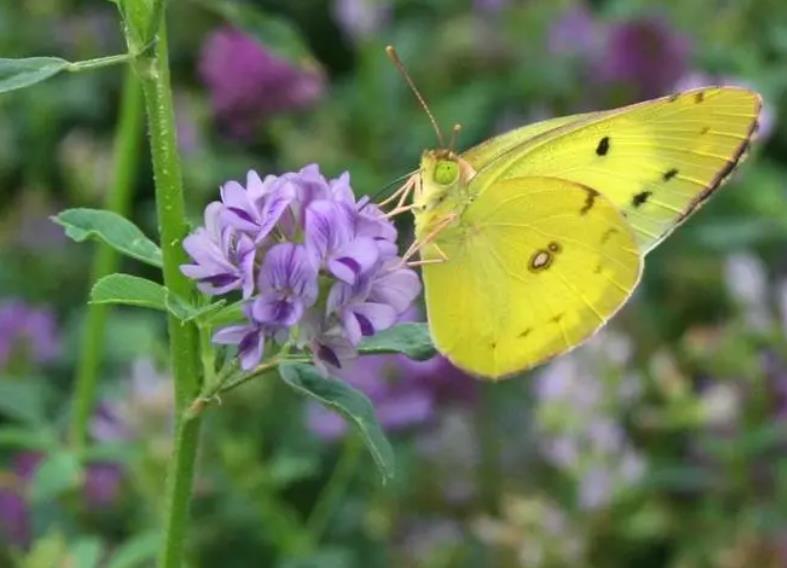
(656, 161)
(534, 268)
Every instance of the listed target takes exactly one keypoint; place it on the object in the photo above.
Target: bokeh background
(660, 443)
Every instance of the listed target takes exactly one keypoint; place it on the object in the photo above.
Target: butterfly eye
(446, 172)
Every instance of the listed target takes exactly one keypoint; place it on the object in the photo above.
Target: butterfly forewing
(656, 161)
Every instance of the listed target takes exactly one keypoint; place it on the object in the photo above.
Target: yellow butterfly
(532, 240)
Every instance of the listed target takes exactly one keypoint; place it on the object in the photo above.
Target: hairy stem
(126, 155)
(153, 70)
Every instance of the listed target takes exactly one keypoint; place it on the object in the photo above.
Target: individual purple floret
(249, 337)
(223, 257)
(289, 280)
(317, 268)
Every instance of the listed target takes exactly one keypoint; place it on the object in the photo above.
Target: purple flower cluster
(316, 267)
(249, 84)
(27, 332)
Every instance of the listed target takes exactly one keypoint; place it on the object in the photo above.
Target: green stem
(334, 490)
(127, 150)
(153, 70)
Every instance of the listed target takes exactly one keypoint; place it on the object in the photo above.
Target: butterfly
(531, 241)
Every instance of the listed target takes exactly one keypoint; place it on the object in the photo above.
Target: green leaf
(411, 339)
(36, 438)
(20, 73)
(352, 404)
(276, 33)
(59, 472)
(141, 292)
(85, 553)
(129, 290)
(111, 228)
(137, 552)
(23, 400)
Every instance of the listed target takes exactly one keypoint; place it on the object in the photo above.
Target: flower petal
(353, 259)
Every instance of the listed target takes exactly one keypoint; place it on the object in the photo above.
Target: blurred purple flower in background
(575, 33)
(360, 19)
(405, 393)
(100, 488)
(248, 84)
(580, 398)
(308, 238)
(645, 54)
(142, 412)
(27, 333)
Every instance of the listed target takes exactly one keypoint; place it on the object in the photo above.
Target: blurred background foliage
(659, 443)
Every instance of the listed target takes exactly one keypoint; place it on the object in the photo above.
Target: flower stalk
(127, 152)
(153, 71)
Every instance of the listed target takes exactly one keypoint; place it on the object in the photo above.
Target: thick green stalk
(153, 70)
(126, 156)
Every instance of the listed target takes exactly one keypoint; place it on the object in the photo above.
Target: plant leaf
(129, 290)
(136, 552)
(111, 228)
(25, 437)
(351, 403)
(23, 400)
(411, 339)
(20, 73)
(58, 472)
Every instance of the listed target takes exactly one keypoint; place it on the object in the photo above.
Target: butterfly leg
(402, 193)
(440, 253)
(431, 236)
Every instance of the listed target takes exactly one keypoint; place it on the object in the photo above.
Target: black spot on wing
(590, 200)
(603, 146)
(641, 198)
(705, 130)
(525, 333)
(555, 247)
(557, 318)
(699, 97)
(668, 175)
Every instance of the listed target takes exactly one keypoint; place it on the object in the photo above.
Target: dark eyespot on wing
(603, 146)
(555, 247)
(541, 260)
(668, 175)
(525, 333)
(699, 97)
(641, 198)
(590, 200)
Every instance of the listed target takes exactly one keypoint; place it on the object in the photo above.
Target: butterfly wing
(656, 161)
(535, 266)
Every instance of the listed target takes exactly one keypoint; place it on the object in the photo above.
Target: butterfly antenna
(454, 135)
(400, 66)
